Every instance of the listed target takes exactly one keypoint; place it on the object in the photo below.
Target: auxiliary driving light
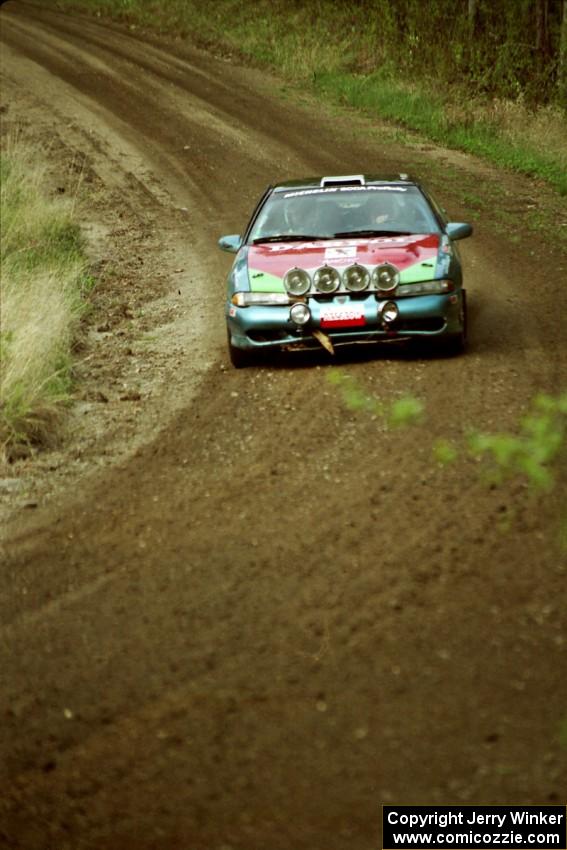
(356, 278)
(389, 312)
(385, 277)
(327, 279)
(300, 314)
(297, 281)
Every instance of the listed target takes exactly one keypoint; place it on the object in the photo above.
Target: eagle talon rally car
(341, 260)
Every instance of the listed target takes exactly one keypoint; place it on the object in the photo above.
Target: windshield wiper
(289, 237)
(343, 234)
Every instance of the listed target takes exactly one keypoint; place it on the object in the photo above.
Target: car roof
(345, 180)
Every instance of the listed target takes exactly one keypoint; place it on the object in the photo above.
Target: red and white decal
(347, 252)
(403, 251)
(342, 318)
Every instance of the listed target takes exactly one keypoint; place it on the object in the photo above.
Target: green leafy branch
(532, 452)
(402, 412)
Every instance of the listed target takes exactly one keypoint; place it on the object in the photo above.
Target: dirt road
(259, 615)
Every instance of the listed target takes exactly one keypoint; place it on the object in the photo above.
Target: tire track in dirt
(170, 117)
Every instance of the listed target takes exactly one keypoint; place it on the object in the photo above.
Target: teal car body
(333, 261)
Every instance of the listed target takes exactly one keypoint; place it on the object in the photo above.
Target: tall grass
(420, 68)
(42, 267)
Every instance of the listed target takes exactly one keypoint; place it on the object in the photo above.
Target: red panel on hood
(278, 257)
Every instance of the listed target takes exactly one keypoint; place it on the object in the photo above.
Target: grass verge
(345, 56)
(42, 266)
(506, 133)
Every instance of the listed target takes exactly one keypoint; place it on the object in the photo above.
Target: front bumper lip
(258, 326)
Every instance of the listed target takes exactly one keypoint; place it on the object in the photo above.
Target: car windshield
(340, 212)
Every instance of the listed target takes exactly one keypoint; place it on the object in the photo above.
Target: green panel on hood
(264, 281)
(418, 272)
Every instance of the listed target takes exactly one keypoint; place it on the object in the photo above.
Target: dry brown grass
(41, 265)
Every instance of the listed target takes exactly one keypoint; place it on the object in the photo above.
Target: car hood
(415, 256)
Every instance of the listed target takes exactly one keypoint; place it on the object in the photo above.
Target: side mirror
(458, 230)
(230, 243)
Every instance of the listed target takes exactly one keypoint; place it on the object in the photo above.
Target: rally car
(338, 260)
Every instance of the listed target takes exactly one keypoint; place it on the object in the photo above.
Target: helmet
(294, 215)
(382, 207)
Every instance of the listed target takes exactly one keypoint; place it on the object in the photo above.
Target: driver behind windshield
(326, 215)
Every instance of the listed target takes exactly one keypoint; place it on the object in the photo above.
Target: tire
(457, 343)
(239, 358)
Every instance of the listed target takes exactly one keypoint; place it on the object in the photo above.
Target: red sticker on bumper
(342, 319)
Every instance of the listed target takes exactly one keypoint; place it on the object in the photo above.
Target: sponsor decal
(415, 256)
(334, 189)
(349, 251)
(342, 318)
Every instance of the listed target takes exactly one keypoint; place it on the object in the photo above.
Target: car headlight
(300, 314)
(428, 287)
(327, 279)
(247, 299)
(389, 312)
(297, 281)
(385, 277)
(356, 278)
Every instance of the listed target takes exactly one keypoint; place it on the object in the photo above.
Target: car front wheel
(456, 343)
(238, 357)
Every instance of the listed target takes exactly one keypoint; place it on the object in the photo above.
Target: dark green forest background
(507, 48)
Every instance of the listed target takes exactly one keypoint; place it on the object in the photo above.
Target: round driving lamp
(327, 279)
(389, 312)
(297, 282)
(385, 277)
(356, 278)
(300, 314)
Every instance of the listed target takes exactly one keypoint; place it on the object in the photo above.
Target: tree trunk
(472, 13)
(542, 33)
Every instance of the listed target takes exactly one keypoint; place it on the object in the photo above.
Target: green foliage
(563, 534)
(405, 411)
(532, 452)
(494, 55)
(86, 284)
(487, 130)
(445, 452)
(401, 412)
(353, 397)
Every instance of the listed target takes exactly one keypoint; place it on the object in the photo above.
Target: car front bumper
(422, 316)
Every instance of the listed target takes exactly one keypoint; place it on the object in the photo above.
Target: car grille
(427, 324)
